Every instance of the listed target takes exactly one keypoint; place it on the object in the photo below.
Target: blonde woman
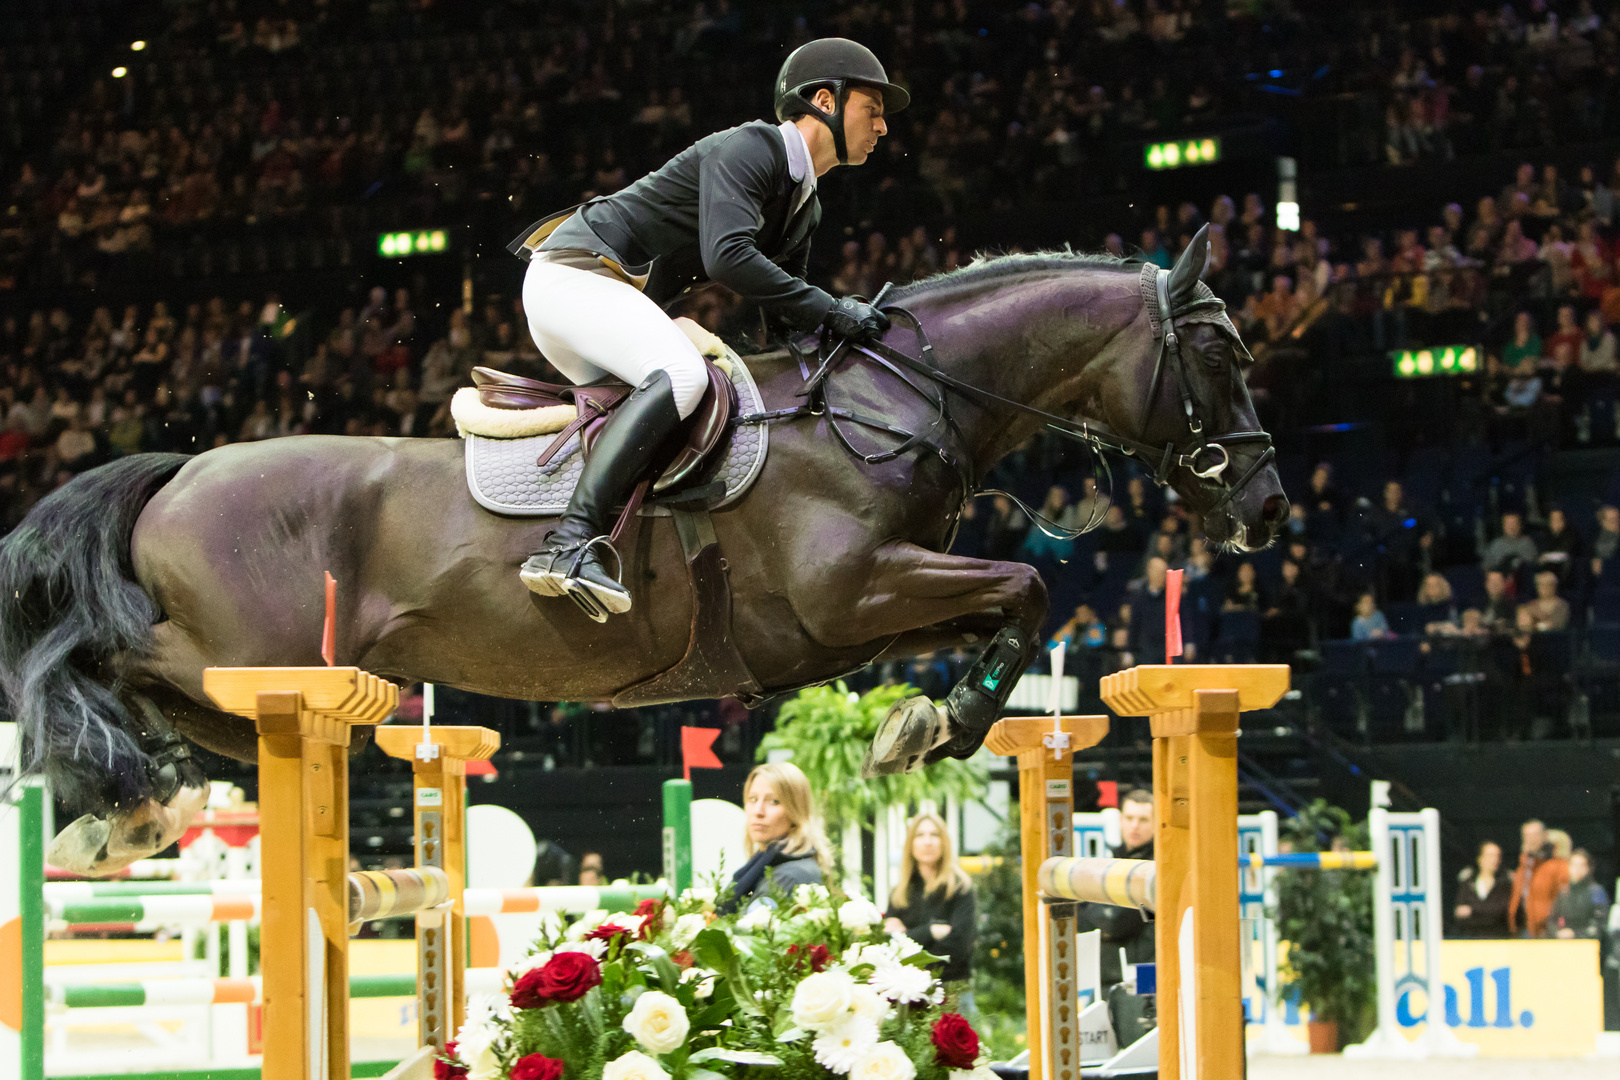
(786, 844)
(933, 903)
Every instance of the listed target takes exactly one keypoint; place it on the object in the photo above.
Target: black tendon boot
(916, 732)
(571, 562)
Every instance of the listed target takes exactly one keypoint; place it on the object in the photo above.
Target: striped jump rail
(190, 991)
(1131, 883)
(1312, 860)
(193, 909)
(84, 903)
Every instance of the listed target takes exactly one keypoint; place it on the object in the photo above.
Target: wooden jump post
(304, 718)
(1194, 712)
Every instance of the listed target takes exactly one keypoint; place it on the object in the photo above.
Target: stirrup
(578, 589)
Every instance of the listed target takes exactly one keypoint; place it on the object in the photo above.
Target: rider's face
(863, 123)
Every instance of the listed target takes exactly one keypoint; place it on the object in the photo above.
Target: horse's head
(1194, 422)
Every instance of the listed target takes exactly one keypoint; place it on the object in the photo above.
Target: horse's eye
(1212, 361)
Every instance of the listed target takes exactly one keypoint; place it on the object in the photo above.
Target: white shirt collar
(798, 153)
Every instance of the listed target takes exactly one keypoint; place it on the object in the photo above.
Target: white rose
(808, 894)
(633, 1066)
(686, 928)
(978, 1072)
(823, 999)
(859, 914)
(757, 917)
(868, 1003)
(482, 1066)
(885, 1061)
(703, 977)
(658, 1022)
(902, 982)
(698, 894)
(475, 1044)
(840, 1046)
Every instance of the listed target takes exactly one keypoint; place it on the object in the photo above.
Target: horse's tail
(69, 605)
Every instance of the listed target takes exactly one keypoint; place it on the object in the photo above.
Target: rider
(737, 208)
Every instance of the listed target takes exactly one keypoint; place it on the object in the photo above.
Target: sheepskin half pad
(502, 476)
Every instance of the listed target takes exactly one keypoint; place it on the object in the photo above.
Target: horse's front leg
(909, 588)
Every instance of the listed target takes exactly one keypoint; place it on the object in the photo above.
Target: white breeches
(591, 323)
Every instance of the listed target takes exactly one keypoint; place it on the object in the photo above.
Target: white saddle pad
(502, 476)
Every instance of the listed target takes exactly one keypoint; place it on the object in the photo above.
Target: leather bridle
(1213, 445)
(1161, 459)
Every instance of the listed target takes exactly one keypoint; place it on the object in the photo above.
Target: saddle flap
(706, 428)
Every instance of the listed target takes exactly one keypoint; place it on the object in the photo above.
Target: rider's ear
(1188, 269)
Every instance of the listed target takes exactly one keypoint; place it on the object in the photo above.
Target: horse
(119, 588)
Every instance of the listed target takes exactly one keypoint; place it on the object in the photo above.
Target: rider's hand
(855, 321)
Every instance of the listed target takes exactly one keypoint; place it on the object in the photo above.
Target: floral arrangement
(810, 988)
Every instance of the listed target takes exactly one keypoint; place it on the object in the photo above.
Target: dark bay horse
(118, 589)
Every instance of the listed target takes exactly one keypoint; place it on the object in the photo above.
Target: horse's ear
(1189, 268)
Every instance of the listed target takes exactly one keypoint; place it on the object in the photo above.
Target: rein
(1162, 459)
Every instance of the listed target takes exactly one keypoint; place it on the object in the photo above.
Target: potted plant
(1326, 918)
(811, 989)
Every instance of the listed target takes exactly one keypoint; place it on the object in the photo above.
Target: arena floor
(1333, 1067)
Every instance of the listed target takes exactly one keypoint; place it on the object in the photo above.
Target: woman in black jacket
(783, 835)
(933, 903)
(1483, 893)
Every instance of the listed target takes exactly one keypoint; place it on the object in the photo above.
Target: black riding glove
(855, 321)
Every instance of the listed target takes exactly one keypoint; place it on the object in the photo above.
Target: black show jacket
(721, 210)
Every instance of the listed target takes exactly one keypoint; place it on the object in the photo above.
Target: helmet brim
(895, 98)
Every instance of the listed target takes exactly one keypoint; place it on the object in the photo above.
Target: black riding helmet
(837, 64)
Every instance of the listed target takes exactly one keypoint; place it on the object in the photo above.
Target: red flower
(606, 932)
(448, 1070)
(537, 1067)
(956, 1044)
(817, 955)
(652, 912)
(567, 976)
(682, 959)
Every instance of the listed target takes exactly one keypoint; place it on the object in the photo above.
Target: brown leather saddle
(705, 433)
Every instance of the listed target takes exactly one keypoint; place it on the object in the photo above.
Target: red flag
(695, 752)
(481, 768)
(1108, 793)
(329, 633)
(1172, 615)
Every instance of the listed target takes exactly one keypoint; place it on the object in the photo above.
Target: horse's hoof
(911, 728)
(81, 848)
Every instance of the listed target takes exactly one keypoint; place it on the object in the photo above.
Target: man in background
(1540, 877)
(1124, 928)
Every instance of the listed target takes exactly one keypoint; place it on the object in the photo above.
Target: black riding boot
(571, 562)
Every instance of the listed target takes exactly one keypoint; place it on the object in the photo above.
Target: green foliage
(998, 955)
(1326, 916)
(828, 729)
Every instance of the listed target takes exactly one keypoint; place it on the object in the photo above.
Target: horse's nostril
(1276, 510)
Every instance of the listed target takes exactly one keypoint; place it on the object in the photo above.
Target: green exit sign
(1442, 360)
(1177, 155)
(393, 245)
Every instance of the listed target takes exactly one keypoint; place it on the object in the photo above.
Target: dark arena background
(227, 221)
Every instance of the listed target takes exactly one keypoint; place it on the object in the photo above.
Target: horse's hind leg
(909, 588)
(94, 846)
